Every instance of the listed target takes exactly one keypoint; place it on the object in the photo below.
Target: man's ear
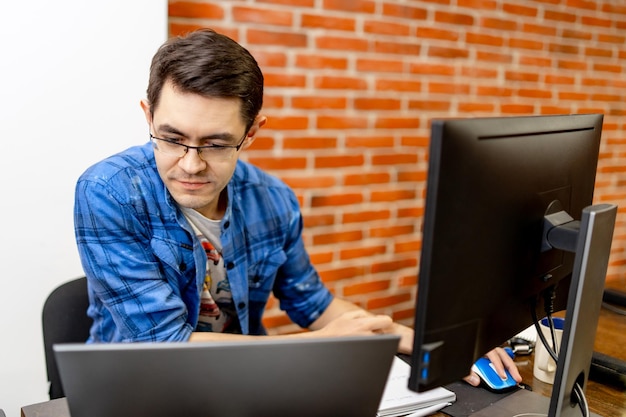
(145, 106)
(259, 121)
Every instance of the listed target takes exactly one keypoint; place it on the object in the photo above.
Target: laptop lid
(274, 378)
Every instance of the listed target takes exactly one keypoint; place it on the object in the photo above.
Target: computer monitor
(508, 223)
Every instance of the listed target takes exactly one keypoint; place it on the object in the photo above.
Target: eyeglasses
(206, 153)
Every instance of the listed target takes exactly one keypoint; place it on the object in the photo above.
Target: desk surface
(604, 400)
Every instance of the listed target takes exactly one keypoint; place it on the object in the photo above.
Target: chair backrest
(64, 320)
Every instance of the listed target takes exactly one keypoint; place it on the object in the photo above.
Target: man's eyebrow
(225, 136)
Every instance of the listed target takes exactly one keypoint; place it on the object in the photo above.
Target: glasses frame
(197, 148)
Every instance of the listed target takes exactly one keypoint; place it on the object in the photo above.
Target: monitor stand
(592, 244)
(521, 403)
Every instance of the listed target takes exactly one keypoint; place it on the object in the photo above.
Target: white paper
(399, 400)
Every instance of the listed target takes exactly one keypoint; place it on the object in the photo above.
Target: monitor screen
(483, 266)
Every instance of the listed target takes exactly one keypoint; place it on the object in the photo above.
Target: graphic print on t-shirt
(214, 316)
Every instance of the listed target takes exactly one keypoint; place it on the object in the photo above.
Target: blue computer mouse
(490, 378)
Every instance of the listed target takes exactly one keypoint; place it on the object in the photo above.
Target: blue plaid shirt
(145, 266)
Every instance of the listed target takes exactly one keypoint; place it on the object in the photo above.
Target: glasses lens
(217, 153)
(169, 148)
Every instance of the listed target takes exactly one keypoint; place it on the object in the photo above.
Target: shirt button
(226, 225)
(241, 305)
(230, 265)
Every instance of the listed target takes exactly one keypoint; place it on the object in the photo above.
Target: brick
(359, 6)
(284, 80)
(482, 5)
(319, 102)
(412, 176)
(526, 44)
(266, 16)
(310, 182)
(361, 252)
(267, 37)
(392, 195)
(338, 161)
(393, 231)
(534, 93)
(499, 24)
(536, 29)
(341, 122)
(342, 43)
(291, 3)
(309, 142)
(278, 163)
(340, 83)
(381, 302)
(559, 16)
(518, 9)
(337, 274)
(195, 10)
(287, 122)
(394, 159)
(366, 287)
(437, 33)
(379, 65)
(483, 39)
(447, 52)
(369, 142)
(399, 48)
(311, 221)
(367, 179)
(404, 86)
(454, 18)
(403, 11)
(386, 28)
(476, 107)
(365, 216)
(320, 21)
(336, 200)
(270, 59)
(372, 103)
(448, 88)
(583, 4)
(315, 61)
(517, 109)
(502, 58)
(397, 123)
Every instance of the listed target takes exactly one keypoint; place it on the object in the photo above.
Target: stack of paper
(398, 400)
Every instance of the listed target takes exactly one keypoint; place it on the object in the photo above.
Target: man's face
(197, 181)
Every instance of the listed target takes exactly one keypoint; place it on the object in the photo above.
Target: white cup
(544, 367)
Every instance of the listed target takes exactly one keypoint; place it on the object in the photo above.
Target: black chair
(64, 320)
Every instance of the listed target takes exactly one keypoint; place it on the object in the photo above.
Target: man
(182, 241)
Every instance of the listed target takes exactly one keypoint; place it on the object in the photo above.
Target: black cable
(549, 297)
(548, 305)
(580, 398)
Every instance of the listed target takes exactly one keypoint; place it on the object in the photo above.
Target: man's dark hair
(207, 63)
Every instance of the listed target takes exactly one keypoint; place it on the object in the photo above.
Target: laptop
(263, 378)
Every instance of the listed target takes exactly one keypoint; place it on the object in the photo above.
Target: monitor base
(521, 403)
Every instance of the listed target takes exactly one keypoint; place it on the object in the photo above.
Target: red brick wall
(352, 85)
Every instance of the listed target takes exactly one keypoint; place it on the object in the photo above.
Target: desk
(604, 400)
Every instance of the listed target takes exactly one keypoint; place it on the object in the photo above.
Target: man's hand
(343, 318)
(500, 360)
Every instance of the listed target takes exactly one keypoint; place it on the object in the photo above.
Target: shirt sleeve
(301, 292)
(131, 294)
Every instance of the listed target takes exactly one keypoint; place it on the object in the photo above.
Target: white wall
(72, 73)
